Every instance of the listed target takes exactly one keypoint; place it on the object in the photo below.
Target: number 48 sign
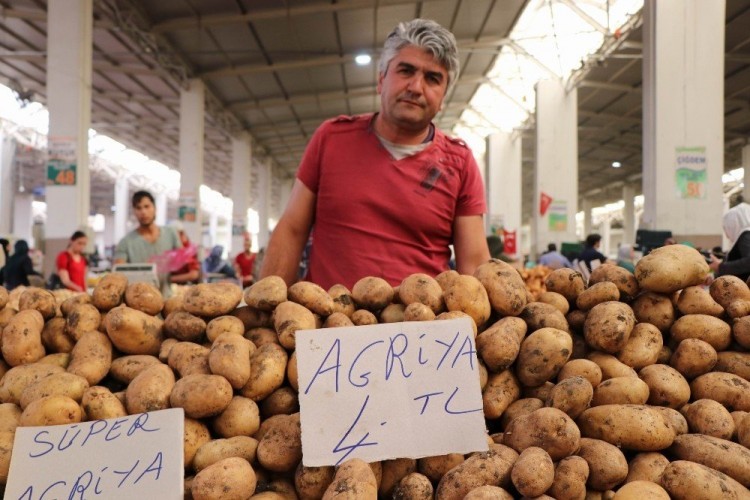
(61, 161)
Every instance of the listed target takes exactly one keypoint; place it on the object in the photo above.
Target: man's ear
(380, 82)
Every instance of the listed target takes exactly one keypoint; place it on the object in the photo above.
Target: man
(148, 239)
(244, 261)
(554, 259)
(591, 251)
(388, 192)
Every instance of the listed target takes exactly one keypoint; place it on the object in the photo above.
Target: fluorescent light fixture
(616, 164)
(363, 59)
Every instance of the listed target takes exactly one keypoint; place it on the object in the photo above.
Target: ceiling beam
(616, 87)
(609, 116)
(254, 69)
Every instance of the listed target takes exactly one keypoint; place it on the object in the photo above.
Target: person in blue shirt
(554, 259)
(591, 250)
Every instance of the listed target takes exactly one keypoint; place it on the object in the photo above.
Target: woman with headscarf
(625, 257)
(214, 264)
(736, 224)
(19, 266)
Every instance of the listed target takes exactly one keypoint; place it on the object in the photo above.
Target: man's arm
(469, 243)
(290, 235)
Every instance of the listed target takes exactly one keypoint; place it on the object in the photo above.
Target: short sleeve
(62, 261)
(121, 252)
(471, 198)
(309, 169)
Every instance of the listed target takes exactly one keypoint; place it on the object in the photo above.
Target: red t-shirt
(377, 216)
(76, 269)
(245, 263)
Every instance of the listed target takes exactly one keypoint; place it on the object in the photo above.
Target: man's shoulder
(346, 123)
(454, 143)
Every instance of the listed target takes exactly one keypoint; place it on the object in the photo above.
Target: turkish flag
(545, 201)
(509, 242)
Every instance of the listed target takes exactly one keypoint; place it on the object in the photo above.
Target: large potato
(81, 319)
(421, 289)
(607, 464)
(642, 347)
(266, 293)
(15, 380)
(466, 294)
(667, 387)
(570, 479)
(706, 416)
(638, 490)
(697, 300)
(605, 291)
(610, 366)
(547, 428)
(230, 358)
(555, 299)
(654, 308)
(620, 390)
(505, 287)
(212, 299)
(219, 449)
(608, 326)
(54, 336)
(126, 368)
(566, 282)
(501, 390)
(229, 479)
(134, 332)
(540, 315)
(22, 338)
(224, 324)
(51, 410)
(632, 427)
(312, 297)
(694, 357)
(38, 299)
(91, 357)
(686, 480)
(353, 479)
(434, 468)
(372, 293)
(492, 468)
(267, 370)
(109, 292)
(621, 277)
(647, 466)
(240, 418)
(671, 268)
(201, 395)
(533, 472)
(280, 448)
(144, 297)
(63, 384)
(183, 326)
(188, 358)
(720, 454)
(290, 317)
(99, 403)
(701, 326)
(342, 300)
(542, 354)
(498, 345)
(150, 390)
(581, 368)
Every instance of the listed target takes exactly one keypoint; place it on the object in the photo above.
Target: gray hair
(428, 35)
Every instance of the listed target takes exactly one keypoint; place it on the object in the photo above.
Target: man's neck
(148, 230)
(397, 135)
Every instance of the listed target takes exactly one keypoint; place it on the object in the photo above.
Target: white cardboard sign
(394, 390)
(138, 456)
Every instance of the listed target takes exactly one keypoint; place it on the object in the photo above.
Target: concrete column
(7, 189)
(606, 228)
(122, 206)
(162, 205)
(628, 214)
(192, 109)
(556, 172)
(746, 166)
(69, 48)
(587, 207)
(683, 119)
(503, 184)
(23, 219)
(108, 235)
(213, 226)
(264, 201)
(241, 164)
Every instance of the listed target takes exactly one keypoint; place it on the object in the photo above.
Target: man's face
(412, 89)
(145, 212)
(79, 245)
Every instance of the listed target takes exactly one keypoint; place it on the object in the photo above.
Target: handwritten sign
(138, 456)
(395, 390)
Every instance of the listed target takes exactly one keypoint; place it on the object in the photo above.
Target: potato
(230, 358)
(671, 268)
(201, 395)
(282, 401)
(267, 293)
(224, 324)
(54, 336)
(218, 449)
(81, 319)
(61, 359)
(372, 293)
(572, 395)
(134, 332)
(196, 434)
(337, 320)
(280, 448)
(540, 315)
(706, 416)
(499, 345)
(643, 346)
(150, 390)
(638, 490)
(418, 312)
(667, 387)
(91, 357)
(517, 408)
(737, 363)
(541, 391)
(728, 289)
(354, 479)
(434, 468)
(51, 410)
(570, 479)
(260, 336)
(290, 317)
(607, 464)
(647, 466)
(392, 472)
(13, 383)
(542, 354)
(566, 282)
(686, 480)
(548, 428)
(720, 454)
(187, 358)
(701, 326)
(63, 384)
(3, 296)
(654, 308)
(505, 287)
(362, 317)
(501, 390)
(144, 297)
(605, 291)
(267, 370)
(581, 368)
(421, 289)
(109, 292)
(621, 277)
(99, 403)
(694, 357)
(38, 299)
(608, 326)
(392, 313)
(533, 472)
(488, 493)
(10, 415)
(291, 371)
(342, 300)
(6, 449)
(210, 300)
(22, 338)
(492, 468)
(620, 390)
(696, 300)
(125, 368)
(413, 486)
(466, 294)
(312, 297)
(576, 319)
(611, 366)
(229, 479)
(674, 419)
(633, 427)
(184, 327)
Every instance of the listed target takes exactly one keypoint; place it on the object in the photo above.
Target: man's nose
(416, 84)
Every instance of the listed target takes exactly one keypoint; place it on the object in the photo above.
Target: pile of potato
(626, 387)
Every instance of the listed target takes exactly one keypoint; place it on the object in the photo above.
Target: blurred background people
(4, 252)
(591, 251)
(243, 263)
(736, 224)
(554, 259)
(71, 263)
(215, 264)
(19, 267)
(626, 257)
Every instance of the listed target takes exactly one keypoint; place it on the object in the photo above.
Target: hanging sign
(138, 456)
(691, 175)
(544, 203)
(187, 207)
(558, 216)
(394, 390)
(61, 161)
(496, 224)
(509, 242)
